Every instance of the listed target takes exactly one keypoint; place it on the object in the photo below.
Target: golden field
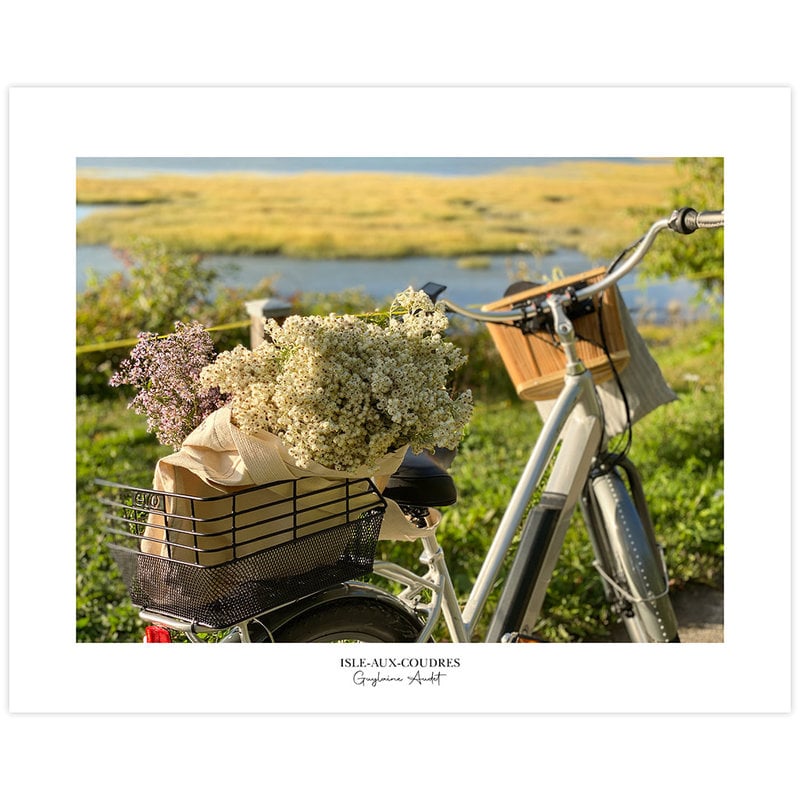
(582, 205)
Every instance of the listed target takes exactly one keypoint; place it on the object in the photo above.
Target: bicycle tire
(636, 564)
(357, 619)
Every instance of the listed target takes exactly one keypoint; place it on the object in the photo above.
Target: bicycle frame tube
(575, 423)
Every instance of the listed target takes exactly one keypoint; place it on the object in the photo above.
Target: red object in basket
(155, 635)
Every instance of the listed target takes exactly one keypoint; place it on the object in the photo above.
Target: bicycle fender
(637, 560)
(278, 617)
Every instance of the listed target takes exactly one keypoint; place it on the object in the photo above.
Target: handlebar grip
(687, 220)
(711, 219)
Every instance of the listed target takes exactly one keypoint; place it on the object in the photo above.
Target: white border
(749, 672)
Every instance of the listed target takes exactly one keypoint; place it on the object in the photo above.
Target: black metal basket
(220, 560)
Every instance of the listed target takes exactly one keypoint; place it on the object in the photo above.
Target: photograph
(324, 373)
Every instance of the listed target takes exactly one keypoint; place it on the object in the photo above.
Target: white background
(564, 715)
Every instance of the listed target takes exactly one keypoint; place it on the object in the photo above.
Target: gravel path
(700, 612)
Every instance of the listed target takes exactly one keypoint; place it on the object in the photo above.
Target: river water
(446, 166)
(383, 279)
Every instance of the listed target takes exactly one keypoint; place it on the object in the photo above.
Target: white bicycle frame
(575, 428)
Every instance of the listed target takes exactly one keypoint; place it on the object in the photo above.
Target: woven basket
(536, 363)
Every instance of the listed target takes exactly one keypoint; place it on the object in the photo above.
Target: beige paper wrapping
(218, 458)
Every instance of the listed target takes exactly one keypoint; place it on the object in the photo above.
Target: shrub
(155, 289)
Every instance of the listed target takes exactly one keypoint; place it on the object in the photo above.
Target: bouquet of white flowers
(343, 391)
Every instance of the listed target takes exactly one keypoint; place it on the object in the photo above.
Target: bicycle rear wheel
(357, 619)
(631, 563)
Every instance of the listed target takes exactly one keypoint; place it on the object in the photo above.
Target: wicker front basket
(536, 363)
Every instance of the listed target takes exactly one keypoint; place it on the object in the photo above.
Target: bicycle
(199, 585)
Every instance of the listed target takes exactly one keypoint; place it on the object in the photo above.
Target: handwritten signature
(361, 678)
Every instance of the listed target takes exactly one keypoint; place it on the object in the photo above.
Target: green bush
(155, 288)
(699, 185)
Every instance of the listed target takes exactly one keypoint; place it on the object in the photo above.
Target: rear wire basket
(221, 560)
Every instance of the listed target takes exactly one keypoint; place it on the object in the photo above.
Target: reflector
(155, 635)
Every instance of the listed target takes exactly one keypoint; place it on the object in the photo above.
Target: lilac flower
(165, 371)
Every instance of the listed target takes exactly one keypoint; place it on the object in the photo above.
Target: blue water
(419, 165)
(383, 279)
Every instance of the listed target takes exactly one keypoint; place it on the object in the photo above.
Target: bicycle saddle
(422, 480)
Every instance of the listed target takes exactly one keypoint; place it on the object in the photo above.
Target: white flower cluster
(343, 391)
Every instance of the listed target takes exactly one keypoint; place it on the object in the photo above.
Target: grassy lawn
(679, 449)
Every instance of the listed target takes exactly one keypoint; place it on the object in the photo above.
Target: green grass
(112, 443)
(678, 448)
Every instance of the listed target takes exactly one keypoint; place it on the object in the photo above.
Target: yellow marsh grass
(582, 205)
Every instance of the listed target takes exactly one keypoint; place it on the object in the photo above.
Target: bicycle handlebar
(682, 220)
(687, 220)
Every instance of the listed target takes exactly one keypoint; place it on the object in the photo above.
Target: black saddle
(422, 480)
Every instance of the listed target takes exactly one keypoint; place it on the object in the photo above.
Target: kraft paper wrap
(217, 458)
